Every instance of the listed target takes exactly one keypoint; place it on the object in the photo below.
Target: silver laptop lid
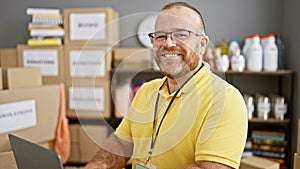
(32, 156)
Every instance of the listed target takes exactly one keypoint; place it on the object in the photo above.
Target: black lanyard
(153, 139)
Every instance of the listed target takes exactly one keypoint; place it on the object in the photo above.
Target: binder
(44, 42)
(30, 11)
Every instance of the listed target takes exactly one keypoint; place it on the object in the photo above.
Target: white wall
(229, 19)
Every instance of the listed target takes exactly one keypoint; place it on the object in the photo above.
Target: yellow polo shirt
(207, 121)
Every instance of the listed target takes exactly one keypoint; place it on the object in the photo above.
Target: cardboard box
(85, 141)
(7, 160)
(20, 77)
(88, 62)
(296, 161)
(88, 99)
(43, 133)
(298, 142)
(46, 101)
(132, 58)
(258, 163)
(91, 26)
(1, 79)
(8, 57)
(48, 59)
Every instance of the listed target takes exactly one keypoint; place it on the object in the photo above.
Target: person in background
(190, 118)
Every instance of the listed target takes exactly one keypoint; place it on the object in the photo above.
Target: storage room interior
(231, 19)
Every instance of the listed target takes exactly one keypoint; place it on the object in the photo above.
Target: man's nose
(169, 42)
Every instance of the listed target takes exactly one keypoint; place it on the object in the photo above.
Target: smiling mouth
(171, 55)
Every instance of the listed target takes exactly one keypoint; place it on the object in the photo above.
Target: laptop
(32, 156)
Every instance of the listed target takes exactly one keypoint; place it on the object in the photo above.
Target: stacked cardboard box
(8, 57)
(91, 26)
(132, 59)
(83, 63)
(91, 33)
(297, 155)
(88, 81)
(85, 141)
(48, 59)
(26, 111)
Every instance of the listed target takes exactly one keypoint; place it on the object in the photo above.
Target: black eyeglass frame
(152, 37)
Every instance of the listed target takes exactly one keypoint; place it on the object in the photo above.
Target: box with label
(20, 77)
(88, 62)
(258, 163)
(8, 57)
(89, 26)
(132, 58)
(30, 113)
(48, 59)
(88, 99)
(27, 113)
(85, 141)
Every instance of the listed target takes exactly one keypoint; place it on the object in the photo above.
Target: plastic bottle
(246, 46)
(209, 58)
(254, 54)
(123, 97)
(270, 53)
(222, 61)
(281, 51)
(233, 47)
(263, 107)
(237, 61)
(224, 47)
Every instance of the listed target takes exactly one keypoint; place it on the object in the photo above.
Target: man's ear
(204, 43)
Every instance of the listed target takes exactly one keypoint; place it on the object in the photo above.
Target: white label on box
(17, 115)
(46, 60)
(86, 98)
(87, 26)
(87, 63)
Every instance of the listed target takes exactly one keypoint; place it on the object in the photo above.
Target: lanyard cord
(153, 138)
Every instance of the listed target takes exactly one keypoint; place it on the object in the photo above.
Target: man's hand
(113, 155)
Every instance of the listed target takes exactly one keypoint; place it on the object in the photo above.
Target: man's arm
(207, 165)
(113, 155)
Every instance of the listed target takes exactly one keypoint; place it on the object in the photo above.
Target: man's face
(174, 57)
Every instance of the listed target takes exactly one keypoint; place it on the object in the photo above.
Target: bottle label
(264, 107)
(280, 108)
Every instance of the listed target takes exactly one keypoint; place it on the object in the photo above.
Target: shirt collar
(201, 74)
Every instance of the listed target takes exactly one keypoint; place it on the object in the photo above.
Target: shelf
(270, 120)
(278, 72)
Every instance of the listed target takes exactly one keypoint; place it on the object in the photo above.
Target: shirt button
(166, 102)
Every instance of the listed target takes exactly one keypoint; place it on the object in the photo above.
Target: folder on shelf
(30, 11)
(44, 42)
(47, 32)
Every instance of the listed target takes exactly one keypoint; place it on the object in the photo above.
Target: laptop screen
(32, 156)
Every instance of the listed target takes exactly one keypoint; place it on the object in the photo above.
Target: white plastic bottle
(246, 46)
(237, 61)
(222, 61)
(270, 53)
(255, 54)
(233, 47)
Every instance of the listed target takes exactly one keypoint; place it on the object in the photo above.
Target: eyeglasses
(180, 35)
